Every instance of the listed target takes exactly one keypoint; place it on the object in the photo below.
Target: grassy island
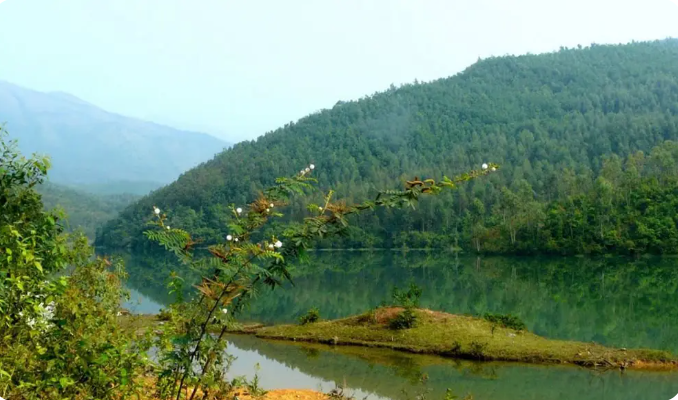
(463, 337)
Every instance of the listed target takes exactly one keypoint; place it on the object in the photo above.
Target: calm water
(395, 375)
(618, 302)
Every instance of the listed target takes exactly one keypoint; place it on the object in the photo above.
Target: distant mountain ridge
(89, 145)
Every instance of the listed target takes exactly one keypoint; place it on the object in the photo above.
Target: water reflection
(619, 302)
(380, 373)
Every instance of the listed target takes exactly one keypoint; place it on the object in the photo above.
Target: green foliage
(58, 304)
(405, 319)
(409, 298)
(550, 120)
(506, 320)
(312, 316)
(85, 211)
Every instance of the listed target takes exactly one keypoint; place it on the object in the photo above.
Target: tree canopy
(573, 130)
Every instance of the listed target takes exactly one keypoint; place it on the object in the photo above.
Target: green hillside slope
(84, 211)
(549, 120)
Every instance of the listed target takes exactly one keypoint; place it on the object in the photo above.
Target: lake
(614, 301)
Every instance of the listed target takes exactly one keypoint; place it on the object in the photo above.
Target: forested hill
(550, 120)
(84, 211)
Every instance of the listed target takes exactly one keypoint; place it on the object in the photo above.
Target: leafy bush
(313, 315)
(506, 320)
(404, 320)
(58, 304)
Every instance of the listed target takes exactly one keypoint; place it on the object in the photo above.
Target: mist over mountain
(89, 146)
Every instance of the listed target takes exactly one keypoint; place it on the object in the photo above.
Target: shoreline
(449, 336)
(463, 337)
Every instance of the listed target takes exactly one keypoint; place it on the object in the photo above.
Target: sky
(237, 69)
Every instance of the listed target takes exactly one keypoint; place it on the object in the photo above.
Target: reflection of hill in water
(387, 374)
(619, 302)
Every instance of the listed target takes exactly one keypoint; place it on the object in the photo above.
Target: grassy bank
(463, 337)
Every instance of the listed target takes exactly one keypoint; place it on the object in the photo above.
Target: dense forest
(584, 137)
(84, 211)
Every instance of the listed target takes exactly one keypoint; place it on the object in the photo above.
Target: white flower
(270, 246)
(238, 210)
(224, 310)
(271, 205)
(30, 322)
(484, 166)
(494, 168)
(235, 240)
(156, 210)
(320, 208)
(268, 210)
(168, 227)
(278, 244)
(311, 166)
(47, 313)
(119, 314)
(307, 170)
(229, 237)
(302, 172)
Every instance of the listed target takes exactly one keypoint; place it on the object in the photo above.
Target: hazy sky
(237, 69)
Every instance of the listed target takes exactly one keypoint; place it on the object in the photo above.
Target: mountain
(88, 145)
(84, 211)
(550, 120)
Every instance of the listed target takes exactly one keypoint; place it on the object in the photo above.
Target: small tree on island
(191, 346)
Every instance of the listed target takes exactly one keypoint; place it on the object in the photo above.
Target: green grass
(464, 337)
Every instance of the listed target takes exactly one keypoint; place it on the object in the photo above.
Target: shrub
(455, 349)
(60, 337)
(409, 298)
(164, 315)
(477, 350)
(506, 320)
(404, 320)
(311, 316)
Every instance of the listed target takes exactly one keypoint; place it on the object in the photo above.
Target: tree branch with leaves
(235, 269)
